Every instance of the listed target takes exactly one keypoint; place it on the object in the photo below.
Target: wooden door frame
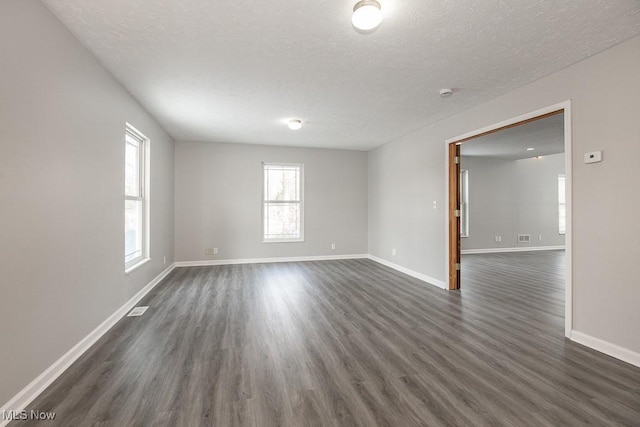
(454, 219)
(452, 178)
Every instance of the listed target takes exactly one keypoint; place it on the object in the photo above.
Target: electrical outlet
(593, 157)
(393, 252)
(333, 246)
(498, 238)
(539, 236)
(435, 205)
(215, 251)
(208, 251)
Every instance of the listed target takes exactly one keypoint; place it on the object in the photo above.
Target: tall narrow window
(464, 203)
(562, 205)
(136, 208)
(282, 204)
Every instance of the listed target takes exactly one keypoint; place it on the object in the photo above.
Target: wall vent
(524, 238)
(137, 311)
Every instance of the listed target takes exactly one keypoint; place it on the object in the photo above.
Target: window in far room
(464, 203)
(136, 206)
(282, 203)
(562, 205)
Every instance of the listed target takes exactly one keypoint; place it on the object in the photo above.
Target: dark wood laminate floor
(348, 343)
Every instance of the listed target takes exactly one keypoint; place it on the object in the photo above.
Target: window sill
(140, 263)
(283, 241)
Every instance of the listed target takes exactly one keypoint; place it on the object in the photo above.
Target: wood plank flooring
(339, 343)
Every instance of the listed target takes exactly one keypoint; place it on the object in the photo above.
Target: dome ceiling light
(294, 124)
(366, 15)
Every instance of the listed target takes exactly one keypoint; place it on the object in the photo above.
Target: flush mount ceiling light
(294, 124)
(366, 15)
(530, 149)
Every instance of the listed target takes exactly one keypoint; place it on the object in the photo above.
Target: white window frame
(143, 196)
(464, 203)
(562, 205)
(300, 202)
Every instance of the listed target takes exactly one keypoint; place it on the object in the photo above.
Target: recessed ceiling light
(366, 15)
(294, 124)
(530, 149)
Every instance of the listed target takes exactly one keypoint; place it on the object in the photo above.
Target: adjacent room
(513, 200)
(513, 223)
(335, 213)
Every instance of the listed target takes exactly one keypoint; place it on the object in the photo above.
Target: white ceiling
(546, 136)
(233, 71)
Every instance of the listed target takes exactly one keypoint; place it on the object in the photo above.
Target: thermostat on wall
(593, 157)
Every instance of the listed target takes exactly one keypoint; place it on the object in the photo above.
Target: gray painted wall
(511, 197)
(408, 174)
(219, 201)
(62, 122)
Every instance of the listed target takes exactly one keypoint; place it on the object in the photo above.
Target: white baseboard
(520, 249)
(207, 262)
(430, 280)
(607, 348)
(21, 400)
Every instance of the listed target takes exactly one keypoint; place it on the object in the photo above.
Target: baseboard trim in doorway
(207, 262)
(28, 394)
(501, 250)
(430, 280)
(607, 348)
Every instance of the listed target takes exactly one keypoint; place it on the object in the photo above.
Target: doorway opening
(459, 208)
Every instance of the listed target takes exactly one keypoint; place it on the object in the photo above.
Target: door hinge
(457, 213)
(457, 160)
(457, 266)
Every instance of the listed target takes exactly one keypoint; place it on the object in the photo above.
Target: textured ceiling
(545, 135)
(233, 71)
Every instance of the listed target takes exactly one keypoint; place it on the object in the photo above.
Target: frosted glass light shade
(366, 15)
(294, 124)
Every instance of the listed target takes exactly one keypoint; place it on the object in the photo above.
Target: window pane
(132, 168)
(464, 203)
(464, 220)
(282, 221)
(562, 208)
(132, 229)
(561, 189)
(282, 183)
